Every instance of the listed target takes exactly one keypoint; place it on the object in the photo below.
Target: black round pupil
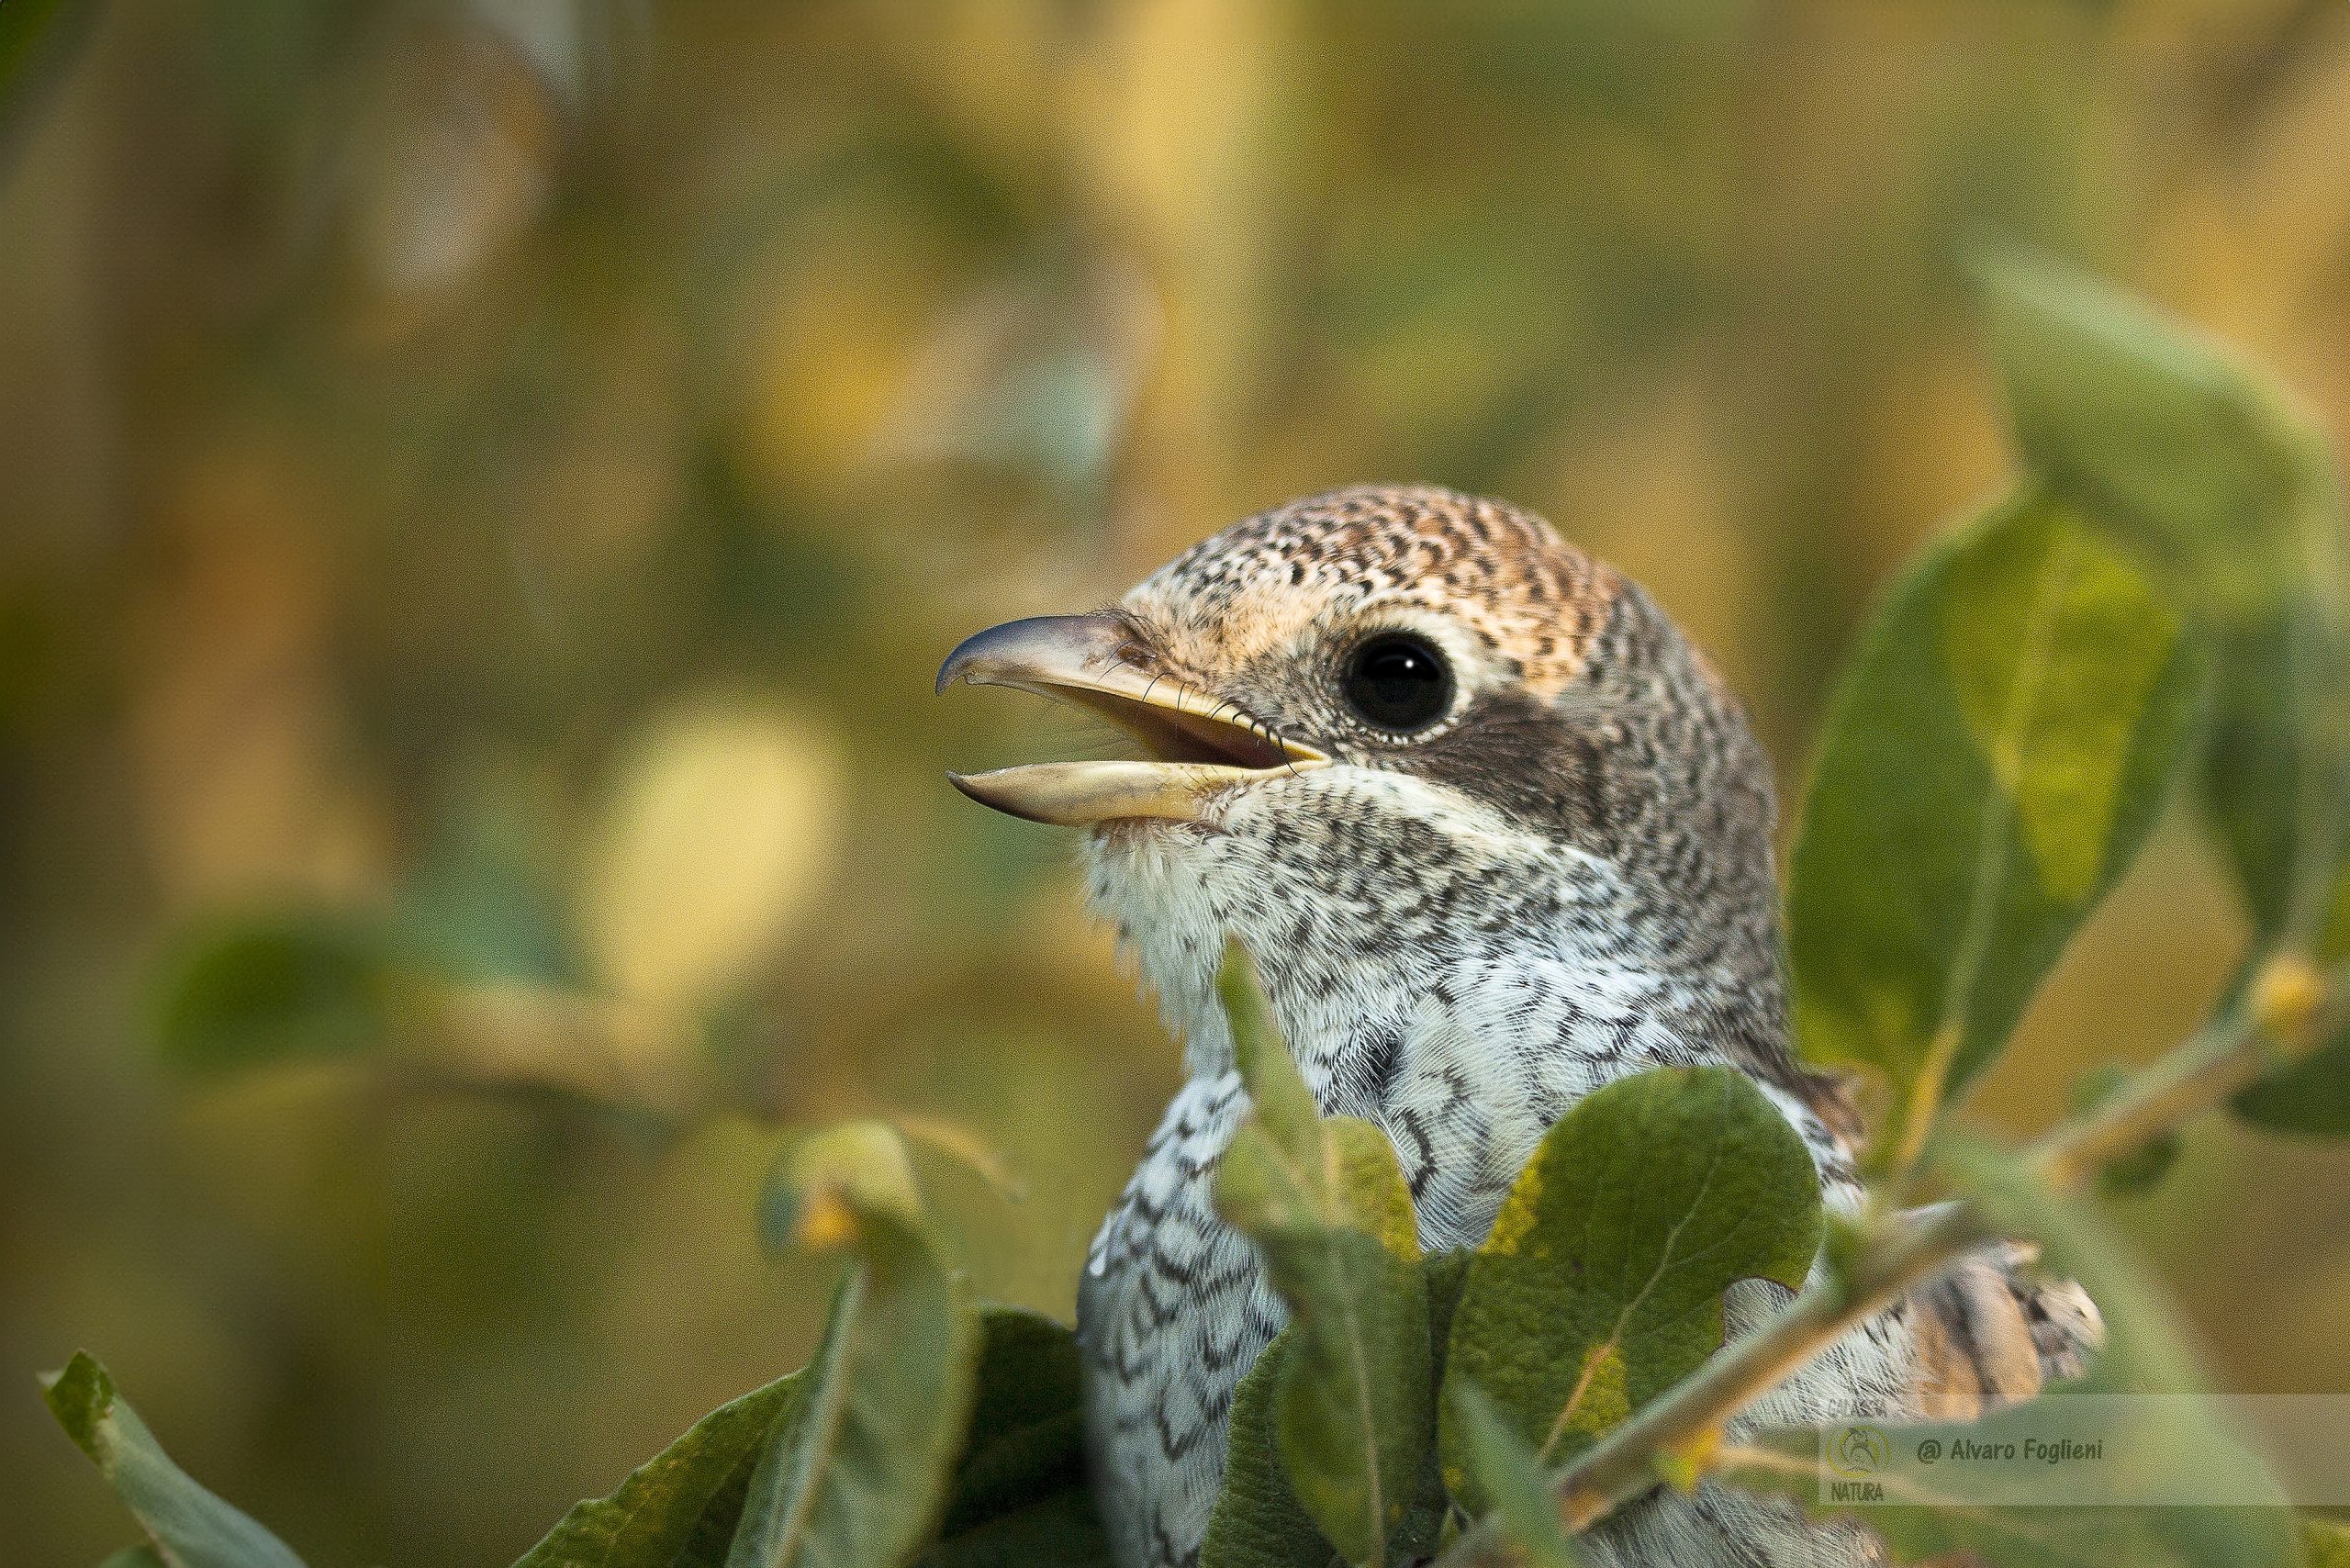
(1399, 683)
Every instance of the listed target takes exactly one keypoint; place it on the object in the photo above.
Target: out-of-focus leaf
(2161, 436)
(1258, 1521)
(1602, 1283)
(286, 984)
(2312, 1096)
(2179, 1446)
(822, 1181)
(1061, 1529)
(692, 1490)
(1993, 760)
(38, 38)
(2146, 1347)
(2141, 1170)
(2325, 1543)
(1326, 1202)
(713, 843)
(856, 1472)
(136, 1557)
(1423, 1533)
(188, 1525)
(1027, 1446)
(845, 1185)
(2273, 769)
(1504, 1469)
(2160, 432)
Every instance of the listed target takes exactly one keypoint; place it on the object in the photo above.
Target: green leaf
(1993, 760)
(1602, 1283)
(1278, 1095)
(2146, 1348)
(2325, 1543)
(37, 39)
(857, 1472)
(1326, 1205)
(2206, 465)
(2274, 767)
(823, 1181)
(135, 1557)
(849, 1185)
(692, 1490)
(281, 985)
(1427, 1523)
(1021, 1478)
(2145, 1352)
(1061, 1531)
(2310, 1096)
(1258, 1521)
(189, 1527)
(1504, 1468)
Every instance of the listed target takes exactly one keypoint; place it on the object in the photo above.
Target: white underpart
(1172, 1306)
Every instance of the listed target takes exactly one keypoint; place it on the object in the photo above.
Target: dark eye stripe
(1397, 682)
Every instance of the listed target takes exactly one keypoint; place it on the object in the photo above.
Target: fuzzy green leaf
(848, 1185)
(1258, 1521)
(1021, 1488)
(691, 1491)
(1602, 1283)
(2325, 1543)
(2310, 1096)
(280, 985)
(857, 1471)
(2204, 463)
(1993, 760)
(1060, 1529)
(38, 39)
(1504, 1468)
(188, 1525)
(135, 1557)
(1427, 1523)
(822, 1183)
(1326, 1205)
(1278, 1096)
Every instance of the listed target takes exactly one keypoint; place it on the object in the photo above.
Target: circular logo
(1859, 1450)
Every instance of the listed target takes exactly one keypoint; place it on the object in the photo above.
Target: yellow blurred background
(484, 484)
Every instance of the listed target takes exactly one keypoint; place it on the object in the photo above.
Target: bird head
(1397, 735)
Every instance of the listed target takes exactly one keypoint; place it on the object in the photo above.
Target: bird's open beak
(1200, 743)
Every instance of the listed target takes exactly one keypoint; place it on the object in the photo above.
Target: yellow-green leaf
(2205, 466)
(1993, 760)
(1326, 1202)
(188, 1525)
(690, 1491)
(1601, 1286)
(1258, 1521)
(1504, 1470)
(857, 1471)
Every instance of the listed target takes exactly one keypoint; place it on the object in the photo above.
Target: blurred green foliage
(493, 477)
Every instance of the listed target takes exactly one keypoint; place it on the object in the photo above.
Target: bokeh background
(484, 484)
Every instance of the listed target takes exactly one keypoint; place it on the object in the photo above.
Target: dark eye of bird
(1397, 682)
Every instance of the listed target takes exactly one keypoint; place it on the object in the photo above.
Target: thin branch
(2280, 1013)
